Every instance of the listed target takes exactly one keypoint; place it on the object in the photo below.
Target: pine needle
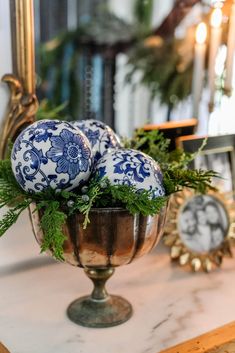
(174, 164)
(56, 206)
(11, 217)
(52, 222)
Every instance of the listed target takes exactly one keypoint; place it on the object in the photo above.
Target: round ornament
(131, 167)
(51, 153)
(101, 137)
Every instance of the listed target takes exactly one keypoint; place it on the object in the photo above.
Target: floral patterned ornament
(130, 167)
(101, 137)
(51, 154)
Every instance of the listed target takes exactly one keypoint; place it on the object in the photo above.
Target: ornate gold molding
(22, 24)
(179, 249)
(23, 107)
(23, 103)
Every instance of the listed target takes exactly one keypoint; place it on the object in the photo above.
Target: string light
(217, 4)
(201, 33)
(216, 17)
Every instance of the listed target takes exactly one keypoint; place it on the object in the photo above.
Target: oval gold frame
(23, 102)
(180, 252)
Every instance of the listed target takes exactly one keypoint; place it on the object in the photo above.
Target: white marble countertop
(170, 304)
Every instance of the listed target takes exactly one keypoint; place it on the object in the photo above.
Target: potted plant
(93, 203)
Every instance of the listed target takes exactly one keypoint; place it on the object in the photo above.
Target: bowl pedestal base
(99, 309)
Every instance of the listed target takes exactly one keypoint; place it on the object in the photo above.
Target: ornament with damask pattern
(51, 153)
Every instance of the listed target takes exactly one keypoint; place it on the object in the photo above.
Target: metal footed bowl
(113, 238)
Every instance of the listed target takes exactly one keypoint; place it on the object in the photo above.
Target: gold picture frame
(186, 253)
(23, 102)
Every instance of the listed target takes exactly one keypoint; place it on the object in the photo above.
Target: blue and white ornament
(131, 167)
(102, 138)
(51, 153)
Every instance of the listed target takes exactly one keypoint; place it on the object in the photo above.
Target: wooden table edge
(3, 349)
(207, 341)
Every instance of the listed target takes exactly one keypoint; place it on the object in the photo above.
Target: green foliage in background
(59, 71)
(159, 67)
(143, 11)
(46, 110)
(64, 59)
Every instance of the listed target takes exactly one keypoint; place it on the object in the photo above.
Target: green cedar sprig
(10, 195)
(174, 164)
(199, 180)
(52, 222)
(156, 146)
(135, 202)
(84, 202)
(100, 194)
(55, 207)
(12, 215)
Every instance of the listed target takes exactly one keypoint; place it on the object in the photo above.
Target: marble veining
(170, 304)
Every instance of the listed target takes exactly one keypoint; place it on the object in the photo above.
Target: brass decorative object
(99, 309)
(23, 103)
(203, 260)
(113, 238)
(22, 25)
(23, 107)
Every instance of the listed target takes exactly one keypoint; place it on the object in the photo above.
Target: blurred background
(131, 62)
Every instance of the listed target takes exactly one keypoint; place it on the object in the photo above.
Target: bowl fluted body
(113, 237)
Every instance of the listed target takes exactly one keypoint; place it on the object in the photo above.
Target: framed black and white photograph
(203, 223)
(218, 154)
(200, 229)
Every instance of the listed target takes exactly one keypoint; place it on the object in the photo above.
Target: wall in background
(133, 107)
(6, 60)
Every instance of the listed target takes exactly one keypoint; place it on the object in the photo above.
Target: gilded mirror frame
(21, 82)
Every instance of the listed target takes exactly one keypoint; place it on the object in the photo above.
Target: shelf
(170, 304)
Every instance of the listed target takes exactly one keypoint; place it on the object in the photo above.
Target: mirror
(81, 57)
(85, 55)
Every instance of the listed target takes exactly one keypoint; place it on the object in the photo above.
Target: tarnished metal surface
(99, 309)
(113, 237)
(23, 107)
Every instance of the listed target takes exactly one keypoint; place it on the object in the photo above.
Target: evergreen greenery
(161, 71)
(62, 58)
(52, 226)
(143, 11)
(174, 164)
(54, 207)
(47, 111)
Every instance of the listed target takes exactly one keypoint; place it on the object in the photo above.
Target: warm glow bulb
(217, 3)
(201, 33)
(216, 17)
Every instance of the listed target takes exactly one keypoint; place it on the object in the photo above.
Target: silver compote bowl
(113, 238)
